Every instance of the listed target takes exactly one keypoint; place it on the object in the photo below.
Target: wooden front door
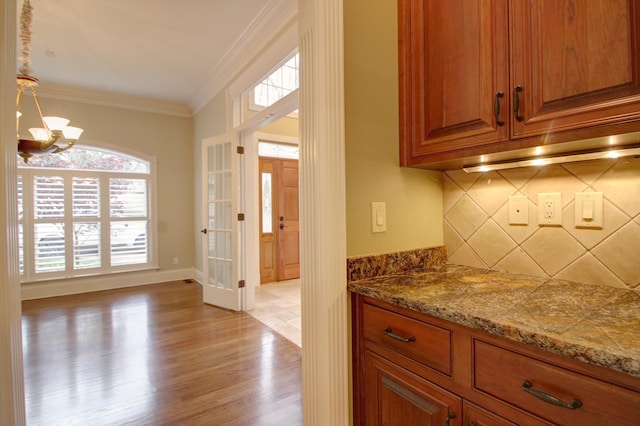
(279, 228)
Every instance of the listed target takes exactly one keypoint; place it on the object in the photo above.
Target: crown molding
(273, 18)
(96, 97)
(263, 29)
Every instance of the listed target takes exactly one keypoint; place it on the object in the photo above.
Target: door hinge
(240, 216)
(240, 149)
(241, 284)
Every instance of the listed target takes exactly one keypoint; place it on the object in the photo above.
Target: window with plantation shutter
(86, 211)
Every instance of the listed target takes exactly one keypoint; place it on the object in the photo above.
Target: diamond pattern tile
(491, 243)
(491, 191)
(477, 230)
(452, 193)
(463, 179)
(465, 217)
(621, 185)
(519, 262)
(451, 238)
(519, 177)
(589, 270)
(619, 253)
(518, 232)
(465, 256)
(613, 220)
(553, 248)
(589, 171)
(554, 179)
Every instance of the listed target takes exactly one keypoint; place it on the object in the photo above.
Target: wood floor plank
(155, 355)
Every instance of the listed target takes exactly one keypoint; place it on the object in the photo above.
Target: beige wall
(413, 197)
(168, 139)
(477, 232)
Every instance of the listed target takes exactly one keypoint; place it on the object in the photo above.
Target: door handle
(204, 231)
(282, 226)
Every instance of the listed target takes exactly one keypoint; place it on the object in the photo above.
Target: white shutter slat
(48, 197)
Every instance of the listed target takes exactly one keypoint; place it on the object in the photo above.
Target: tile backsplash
(477, 230)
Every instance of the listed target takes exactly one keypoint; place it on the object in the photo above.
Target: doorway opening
(279, 212)
(277, 298)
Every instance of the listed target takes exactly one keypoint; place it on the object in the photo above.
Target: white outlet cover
(550, 209)
(583, 201)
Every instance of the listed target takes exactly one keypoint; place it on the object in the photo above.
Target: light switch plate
(550, 208)
(518, 210)
(378, 217)
(588, 210)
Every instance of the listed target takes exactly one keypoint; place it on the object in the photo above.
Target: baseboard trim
(102, 282)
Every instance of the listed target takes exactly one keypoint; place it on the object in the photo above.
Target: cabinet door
(452, 62)
(394, 396)
(577, 61)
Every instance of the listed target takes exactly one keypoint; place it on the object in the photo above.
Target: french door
(222, 236)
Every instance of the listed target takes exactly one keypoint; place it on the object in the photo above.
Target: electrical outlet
(550, 208)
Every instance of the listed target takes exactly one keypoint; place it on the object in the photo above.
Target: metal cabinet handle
(393, 335)
(447, 421)
(204, 231)
(516, 102)
(496, 108)
(527, 386)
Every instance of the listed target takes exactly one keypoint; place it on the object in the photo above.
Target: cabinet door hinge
(240, 149)
(240, 216)
(241, 284)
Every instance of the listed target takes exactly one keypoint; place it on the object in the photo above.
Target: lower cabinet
(396, 396)
(413, 369)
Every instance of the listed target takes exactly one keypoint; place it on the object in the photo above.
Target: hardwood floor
(155, 355)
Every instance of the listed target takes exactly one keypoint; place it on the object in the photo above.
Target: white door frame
(12, 411)
(326, 344)
(247, 132)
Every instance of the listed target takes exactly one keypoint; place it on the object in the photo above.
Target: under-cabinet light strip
(544, 161)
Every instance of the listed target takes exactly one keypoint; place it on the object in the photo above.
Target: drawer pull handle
(393, 335)
(527, 386)
(447, 421)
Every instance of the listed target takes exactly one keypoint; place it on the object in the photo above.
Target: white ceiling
(164, 50)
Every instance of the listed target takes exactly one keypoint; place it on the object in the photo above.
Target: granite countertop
(595, 324)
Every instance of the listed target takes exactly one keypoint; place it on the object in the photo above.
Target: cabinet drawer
(425, 343)
(515, 378)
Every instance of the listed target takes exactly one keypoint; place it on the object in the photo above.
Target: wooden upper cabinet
(483, 76)
(577, 61)
(453, 61)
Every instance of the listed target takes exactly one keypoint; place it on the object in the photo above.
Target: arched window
(86, 211)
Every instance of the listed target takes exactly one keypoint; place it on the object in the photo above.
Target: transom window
(85, 211)
(277, 85)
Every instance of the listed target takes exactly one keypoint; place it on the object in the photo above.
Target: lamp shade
(72, 133)
(40, 134)
(56, 123)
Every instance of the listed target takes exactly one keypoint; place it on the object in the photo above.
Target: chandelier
(55, 135)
